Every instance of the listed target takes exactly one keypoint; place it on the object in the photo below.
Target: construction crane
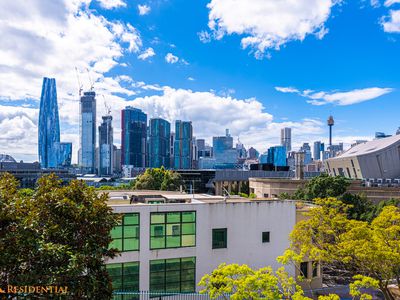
(90, 80)
(108, 107)
(79, 82)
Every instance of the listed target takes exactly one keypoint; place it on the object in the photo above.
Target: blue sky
(251, 66)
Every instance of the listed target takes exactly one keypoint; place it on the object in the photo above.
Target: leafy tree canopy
(56, 235)
(158, 179)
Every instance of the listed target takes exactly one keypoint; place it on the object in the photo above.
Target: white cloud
(190, 78)
(143, 9)
(391, 2)
(204, 36)
(339, 98)
(268, 24)
(109, 4)
(391, 23)
(171, 59)
(149, 52)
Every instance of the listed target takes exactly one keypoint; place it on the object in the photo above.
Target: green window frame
(174, 229)
(219, 238)
(176, 275)
(124, 277)
(126, 235)
(266, 237)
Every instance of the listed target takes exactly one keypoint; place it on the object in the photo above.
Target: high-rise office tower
(253, 153)
(306, 149)
(183, 145)
(65, 155)
(277, 156)
(133, 137)
(286, 138)
(225, 155)
(159, 147)
(88, 132)
(317, 150)
(49, 125)
(106, 147)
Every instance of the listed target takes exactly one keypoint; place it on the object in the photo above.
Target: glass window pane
(157, 218)
(189, 263)
(173, 241)
(173, 276)
(116, 232)
(188, 275)
(188, 216)
(157, 242)
(188, 286)
(174, 217)
(173, 264)
(219, 238)
(116, 244)
(117, 283)
(131, 219)
(189, 228)
(157, 230)
(173, 287)
(131, 268)
(131, 231)
(131, 244)
(157, 265)
(157, 278)
(173, 229)
(114, 269)
(188, 240)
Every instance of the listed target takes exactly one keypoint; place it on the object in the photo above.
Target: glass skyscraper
(286, 138)
(183, 145)
(159, 138)
(49, 125)
(65, 155)
(88, 132)
(133, 137)
(106, 147)
(277, 156)
(224, 153)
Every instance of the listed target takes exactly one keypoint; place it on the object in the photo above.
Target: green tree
(158, 179)
(324, 186)
(240, 282)
(59, 235)
(349, 247)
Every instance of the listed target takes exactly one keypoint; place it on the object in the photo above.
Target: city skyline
(247, 86)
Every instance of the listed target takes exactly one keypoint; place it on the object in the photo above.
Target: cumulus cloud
(268, 24)
(144, 9)
(149, 52)
(339, 98)
(171, 59)
(391, 23)
(391, 2)
(109, 4)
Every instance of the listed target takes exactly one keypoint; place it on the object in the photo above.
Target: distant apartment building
(183, 144)
(286, 138)
(106, 147)
(170, 240)
(87, 132)
(159, 143)
(133, 137)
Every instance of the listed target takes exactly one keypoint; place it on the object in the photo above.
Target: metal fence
(145, 295)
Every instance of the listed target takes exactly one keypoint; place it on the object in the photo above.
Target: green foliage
(244, 195)
(252, 195)
(26, 192)
(56, 235)
(351, 246)
(158, 179)
(324, 186)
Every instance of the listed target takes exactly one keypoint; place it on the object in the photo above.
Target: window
(219, 238)
(173, 275)
(265, 237)
(315, 270)
(126, 235)
(172, 229)
(124, 277)
(304, 269)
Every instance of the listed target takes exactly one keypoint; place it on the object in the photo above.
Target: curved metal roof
(6, 158)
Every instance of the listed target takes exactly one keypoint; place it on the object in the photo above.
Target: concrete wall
(244, 221)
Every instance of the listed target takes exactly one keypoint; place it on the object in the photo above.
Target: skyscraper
(183, 145)
(49, 126)
(277, 156)
(88, 132)
(106, 147)
(306, 149)
(133, 137)
(224, 153)
(65, 155)
(286, 138)
(159, 147)
(317, 150)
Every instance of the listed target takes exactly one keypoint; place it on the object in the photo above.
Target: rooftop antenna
(90, 80)
(79, 82)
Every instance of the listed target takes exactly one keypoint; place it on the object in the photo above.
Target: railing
(145, 295)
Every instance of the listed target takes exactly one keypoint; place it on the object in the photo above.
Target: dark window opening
(219, 238)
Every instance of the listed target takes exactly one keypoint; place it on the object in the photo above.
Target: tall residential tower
(159, 147)
(286, 138)
(49, 126)
(106, 147)
(183, 145)
(88, 132)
